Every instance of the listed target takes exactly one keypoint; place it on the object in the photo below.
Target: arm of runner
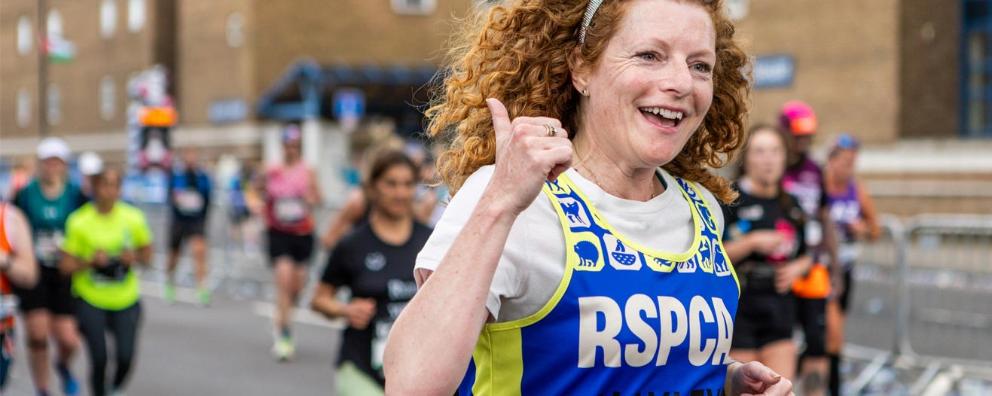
(207, 194)
(358, 312)
(142, 235)
(445, 318)
(868, 212)
(21, 267)
(350, 213)
(73, 255)
(836, 268)
(764, 241)
(313, 194)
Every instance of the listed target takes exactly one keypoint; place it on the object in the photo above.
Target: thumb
(501, 118)
(760, 372)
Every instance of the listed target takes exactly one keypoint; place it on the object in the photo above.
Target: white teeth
(672, 115)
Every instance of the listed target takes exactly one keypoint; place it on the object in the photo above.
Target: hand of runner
(360, 312)
(786, 275)
(837, 285)
(765, 241)
(527, 155)
(127, 257)
(860, 229)
(754, 379)
(100, 259)
(5, 261)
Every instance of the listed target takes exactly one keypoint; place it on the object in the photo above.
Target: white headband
(587, 18)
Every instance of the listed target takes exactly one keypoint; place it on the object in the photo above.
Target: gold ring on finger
(552, 131)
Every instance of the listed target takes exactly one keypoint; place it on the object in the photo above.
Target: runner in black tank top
(766, 242)
(376, 262)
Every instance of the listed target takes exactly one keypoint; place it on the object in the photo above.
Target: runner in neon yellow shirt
(104, 240)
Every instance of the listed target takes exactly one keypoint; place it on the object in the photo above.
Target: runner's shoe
(169, 293)
(70, 386)
(203, 297)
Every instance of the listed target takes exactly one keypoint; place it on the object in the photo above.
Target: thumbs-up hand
(529, 151)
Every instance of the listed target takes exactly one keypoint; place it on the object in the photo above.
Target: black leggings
(94, 323)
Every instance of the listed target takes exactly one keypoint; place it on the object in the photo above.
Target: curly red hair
(524, 54)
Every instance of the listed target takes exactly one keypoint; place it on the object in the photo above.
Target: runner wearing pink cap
(804, 179)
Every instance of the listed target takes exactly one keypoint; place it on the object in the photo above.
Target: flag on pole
(60, 50)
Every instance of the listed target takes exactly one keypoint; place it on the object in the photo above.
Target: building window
(54, 107)
(24, 35)
(107, 98)
(108, 18)
(54, 24)
(414, 7)
(135, 15)
(23, 108)
(235, 30)
(976, 84)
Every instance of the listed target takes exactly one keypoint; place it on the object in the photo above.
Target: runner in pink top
(287, 207)
(291, 194)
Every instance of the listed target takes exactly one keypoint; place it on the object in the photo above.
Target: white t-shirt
(533, 260)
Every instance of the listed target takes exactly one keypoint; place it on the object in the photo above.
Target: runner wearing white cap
(48, 306)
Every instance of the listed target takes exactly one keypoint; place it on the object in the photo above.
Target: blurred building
(224, 57)
(911, 78)
(242, 63)
(91, 49)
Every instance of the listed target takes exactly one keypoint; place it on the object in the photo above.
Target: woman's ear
(580, 72)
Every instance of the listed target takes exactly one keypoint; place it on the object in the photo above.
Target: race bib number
(46, 248)
(290, 210)
(189, 201)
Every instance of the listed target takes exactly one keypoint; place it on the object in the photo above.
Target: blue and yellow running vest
(625, 320)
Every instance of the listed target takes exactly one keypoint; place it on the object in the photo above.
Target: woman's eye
(702, 68)
(648, 56)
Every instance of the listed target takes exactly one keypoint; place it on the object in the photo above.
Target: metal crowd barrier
(921, 312)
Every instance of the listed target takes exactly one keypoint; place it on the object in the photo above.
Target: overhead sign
(349, 103)
(774, 71)
(227, 110)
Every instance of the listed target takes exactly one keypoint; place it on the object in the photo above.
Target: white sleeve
(506, 280)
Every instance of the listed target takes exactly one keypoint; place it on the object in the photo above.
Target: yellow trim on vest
(571, 260)
(508, 357)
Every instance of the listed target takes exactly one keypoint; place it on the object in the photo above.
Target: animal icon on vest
(573, 212)
(588, 254)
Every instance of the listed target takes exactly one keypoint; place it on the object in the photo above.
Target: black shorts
(763, 318)
(297, 247)
(183, 230)
(53, 292)
(811, 315)
(845, 296)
